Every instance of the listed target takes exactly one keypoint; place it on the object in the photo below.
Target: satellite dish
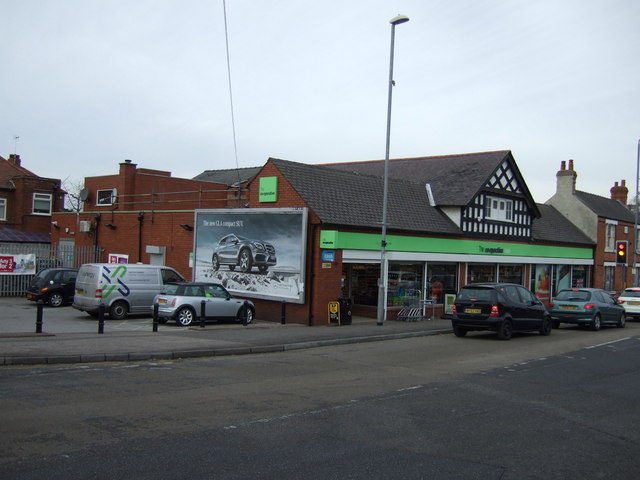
(84, 194)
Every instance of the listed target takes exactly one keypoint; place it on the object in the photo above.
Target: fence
(47, 256)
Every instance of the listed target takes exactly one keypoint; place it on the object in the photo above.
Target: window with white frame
(42, 203)
(105, 197)
(500, 209)
(3, 208)
(610, 239)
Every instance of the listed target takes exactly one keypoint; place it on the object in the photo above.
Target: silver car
(183, 302)
(236, 251)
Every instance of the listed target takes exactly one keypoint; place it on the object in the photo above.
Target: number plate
(633, 303)
(568, 307)
(472, 310)
(79, 291)
(162, 301)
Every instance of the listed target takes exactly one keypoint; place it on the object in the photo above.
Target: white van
(121, 287)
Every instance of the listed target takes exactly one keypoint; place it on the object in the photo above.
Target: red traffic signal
(621, 252)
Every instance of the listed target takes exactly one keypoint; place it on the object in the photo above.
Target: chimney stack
(566, 179)
(620, 192)
(14, 158)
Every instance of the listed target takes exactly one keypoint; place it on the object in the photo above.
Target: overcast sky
(86, 84)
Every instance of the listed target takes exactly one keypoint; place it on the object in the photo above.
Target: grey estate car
(236, 251)
(183, 301)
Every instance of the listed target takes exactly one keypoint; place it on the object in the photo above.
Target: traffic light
(621, 252)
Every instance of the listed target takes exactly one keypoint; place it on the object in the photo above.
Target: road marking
(608, 343)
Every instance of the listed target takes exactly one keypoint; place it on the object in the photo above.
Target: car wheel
(459, 331)
(215, 263)
(118, 310)
(55, 299)
(596, 323)
(185, 316)
(506, 330)
(246, 262)
(545, 328)
(622, 321)
(556, 324)
(250, 314)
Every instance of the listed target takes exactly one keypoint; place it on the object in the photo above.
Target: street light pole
(636, 281)
(382, 283)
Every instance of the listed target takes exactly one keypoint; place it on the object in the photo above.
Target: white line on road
(608, 343)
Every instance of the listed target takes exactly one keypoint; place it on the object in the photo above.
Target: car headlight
(259, 246)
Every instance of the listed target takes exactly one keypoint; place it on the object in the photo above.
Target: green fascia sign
(333, 239)
(268, 189)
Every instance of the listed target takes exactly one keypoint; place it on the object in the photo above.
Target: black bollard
(283, 317)
(202, 313)
(40, 308)
(245, 312)
(156, 307)
(101, 318)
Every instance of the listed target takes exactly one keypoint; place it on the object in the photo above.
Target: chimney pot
(563, 165)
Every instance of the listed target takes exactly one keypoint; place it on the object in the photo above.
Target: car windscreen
(574, 295)
(171, 289)
(476, 294)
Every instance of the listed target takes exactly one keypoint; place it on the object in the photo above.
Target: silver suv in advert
(236, 251)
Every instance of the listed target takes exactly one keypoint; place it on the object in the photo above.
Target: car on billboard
(236, 251)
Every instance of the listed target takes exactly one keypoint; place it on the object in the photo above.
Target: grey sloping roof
(229, 176)
(8, 234)
(345, 198)
(552, 226)
(606, 207)
(455, 179)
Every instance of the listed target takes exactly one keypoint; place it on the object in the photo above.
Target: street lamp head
(398, 19)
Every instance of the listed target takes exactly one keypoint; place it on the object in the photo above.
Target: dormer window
(500, 209)
(42, 204)
(106, 197)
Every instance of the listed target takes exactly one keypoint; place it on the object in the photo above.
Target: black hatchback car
(54, 286)
(503, 308)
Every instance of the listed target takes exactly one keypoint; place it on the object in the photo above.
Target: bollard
(245, 311)
(156, 307)
(40, 307)
(101, 318)
(283, 318)
(202, 313)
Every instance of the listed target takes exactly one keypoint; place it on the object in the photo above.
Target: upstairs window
(106, 197)
(500, 209)
(610, 239)
(3, 208)
(42, 203)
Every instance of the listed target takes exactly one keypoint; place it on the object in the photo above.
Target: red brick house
(27, 203)
(142, 213)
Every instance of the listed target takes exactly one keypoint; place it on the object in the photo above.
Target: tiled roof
(454, 179)
(552, 226)
(352, 199)
(606, 207)
(229, 176)
(8, 234)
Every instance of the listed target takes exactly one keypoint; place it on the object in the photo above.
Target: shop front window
(579, 276)
(364, 284)
(510, 274)
(481, 272)
(562, 278)
(442, 279)
(404, 284)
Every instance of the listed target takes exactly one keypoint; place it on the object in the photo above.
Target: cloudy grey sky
(86, 84)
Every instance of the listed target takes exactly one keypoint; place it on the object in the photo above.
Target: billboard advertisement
(253, 252)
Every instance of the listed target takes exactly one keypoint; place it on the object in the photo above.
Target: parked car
(590, 307)
(236, 251)
(182, 302)
(54, 286)
(503, 308)
(630, 301)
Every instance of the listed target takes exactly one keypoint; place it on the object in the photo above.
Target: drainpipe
(141, 220)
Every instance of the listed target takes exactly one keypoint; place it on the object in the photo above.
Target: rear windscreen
(480, 294)
(574, 295)
(631, 293)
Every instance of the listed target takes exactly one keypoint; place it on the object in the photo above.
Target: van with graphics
(122, 288)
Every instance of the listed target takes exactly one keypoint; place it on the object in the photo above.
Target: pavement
(172, 342)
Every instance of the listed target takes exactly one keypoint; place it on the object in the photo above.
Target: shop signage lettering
(491, 250)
